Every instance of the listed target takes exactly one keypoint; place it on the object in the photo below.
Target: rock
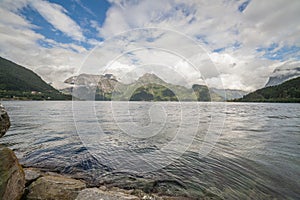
(97, 194)
(12, 177)
(4, 121)
(55, 188)
(116, 189)
(142, 195)
(180, 198)
(31, 174)
(104, 188)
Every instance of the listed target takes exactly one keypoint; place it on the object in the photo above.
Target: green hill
(288, 91)
(17, 82)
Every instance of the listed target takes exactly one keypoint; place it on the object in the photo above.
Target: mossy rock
(12, 177)
(55, 188)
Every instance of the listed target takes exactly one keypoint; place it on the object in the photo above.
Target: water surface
(257, 154)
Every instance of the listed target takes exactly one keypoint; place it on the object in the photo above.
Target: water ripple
(256, 157)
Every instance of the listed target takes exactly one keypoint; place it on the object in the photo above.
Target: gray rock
(142, 195)
(12, 177)
(31, 175)
(97, 194)
(55, 188)
(4, 121)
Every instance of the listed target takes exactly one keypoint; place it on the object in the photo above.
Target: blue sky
(241, 37)
(82, 12)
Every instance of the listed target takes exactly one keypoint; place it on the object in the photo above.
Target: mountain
(288, 91)
(148, 87)
(150, 78)
(17, 82)
(90, 87)
(153, 92)
(164, 91)
(83, 79)
(202, 92)
(282, 74)
(228, 94)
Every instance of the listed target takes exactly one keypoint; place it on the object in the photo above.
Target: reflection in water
(257, 154)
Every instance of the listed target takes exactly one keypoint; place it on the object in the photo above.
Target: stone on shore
(12, 177)
(96, 194)
(4, 121)
(31, 174)
(55, 188)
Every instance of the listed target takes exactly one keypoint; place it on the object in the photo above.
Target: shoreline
(20, 182)
(36, 177)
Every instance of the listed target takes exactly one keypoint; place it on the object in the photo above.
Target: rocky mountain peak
(150, 78)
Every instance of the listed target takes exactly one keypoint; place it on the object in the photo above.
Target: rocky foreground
(4, 121)
(18, 183)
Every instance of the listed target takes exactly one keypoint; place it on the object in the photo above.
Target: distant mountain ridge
(148, 87)
(289, 91)
(229, 94)
(17, 82)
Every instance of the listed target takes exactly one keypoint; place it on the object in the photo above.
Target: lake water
(217, 150)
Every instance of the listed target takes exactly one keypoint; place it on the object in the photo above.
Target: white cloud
(8, 18)
(268, 22)
(85, 8)
(243, 71)
(158, 51)
(114, 23)
(14, 6)
(58, 17)
(215, 24)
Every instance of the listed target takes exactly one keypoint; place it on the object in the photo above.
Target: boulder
(31, 174)
(142, 195)
(96, 194)
(55, 188)
(12, 177)
(4, 121)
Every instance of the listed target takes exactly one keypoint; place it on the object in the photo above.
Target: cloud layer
(245, 40)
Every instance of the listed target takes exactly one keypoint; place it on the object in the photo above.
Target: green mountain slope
(17, 82)
(148, 87)
(153, 92)
(288, 91)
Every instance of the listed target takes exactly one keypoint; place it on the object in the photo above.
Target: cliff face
(104, 83)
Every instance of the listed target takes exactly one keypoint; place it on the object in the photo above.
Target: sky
(235, 44)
